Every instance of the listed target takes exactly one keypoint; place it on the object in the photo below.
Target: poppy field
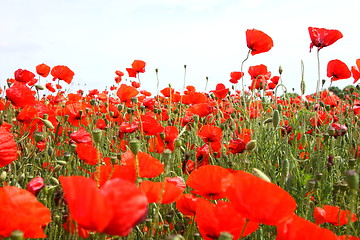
(247, 162)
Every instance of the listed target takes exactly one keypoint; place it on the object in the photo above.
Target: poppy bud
(251, 145)
(269, 120)
(39, 87)
(280, 70)
(302, 86)
(175, 237)
(311, 185)
(97, 135)
(54, 181)
(162, 135)
(275, 118)
(225, 236)
(38, 136)
(134, 146)
(352, 162)
(17, 235)
(3, 176)
(48, 124)
(178, 142)
(318, 176)
(35, 185)
(67, 156)
(285, 170)
(260, 174)
(352, 179)
(167, 154)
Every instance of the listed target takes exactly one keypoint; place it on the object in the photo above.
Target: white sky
(94, 38)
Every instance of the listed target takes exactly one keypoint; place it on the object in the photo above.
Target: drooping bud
(260, 174)
(39, 87)
(251, 145)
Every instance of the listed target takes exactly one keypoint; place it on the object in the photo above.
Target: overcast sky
(95, 38)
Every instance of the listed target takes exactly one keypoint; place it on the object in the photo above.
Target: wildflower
(321, 37)
(337, 70)
(258, 41)
(63, 73)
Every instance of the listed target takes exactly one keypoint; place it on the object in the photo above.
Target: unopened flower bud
(280, 70)
(260, 174)
(275, 118)
(17, 235)
(39, 87)
(38, 136)
(225, 236)
(48, 124)
(251, 145)
(3, 176)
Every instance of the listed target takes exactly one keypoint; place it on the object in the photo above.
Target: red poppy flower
(135, 84)
(150, 126)
(221, 91)
(50, 87)
(321, 37)
(347, 237)
(127, 127)
(20, 95)
(148, 166)
(43, 70)
(113, 209)
(213, 219)
(210, 181)
(237, 146)
(258, 200)
(201, 109)
(88, 153)
(8, 151)
(211, 135)
(35, 185)
(337, 70)
(333, 215)
(125, 92)
(186, 204)
(236, 76)
(81, 136)
(24, 76)
(107, 172)
(259, 71)
(297, 228)
(163, 192)
(20, 210)
(355, 70)
(258, 41)
(63, 73)
(138, 66)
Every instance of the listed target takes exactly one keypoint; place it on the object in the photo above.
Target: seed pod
(97, 134)
(134, 146)
(352, 179)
